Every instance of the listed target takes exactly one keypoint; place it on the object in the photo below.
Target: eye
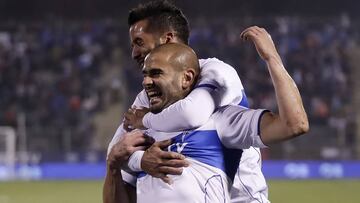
(155, 73)
(139, 42)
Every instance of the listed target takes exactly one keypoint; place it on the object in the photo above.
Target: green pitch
(90, 192)
(315, 191)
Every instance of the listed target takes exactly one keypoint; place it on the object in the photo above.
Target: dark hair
(162, 16)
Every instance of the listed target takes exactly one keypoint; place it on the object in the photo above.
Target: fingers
(247, 33)
(133, 118)
(253, 31)
(171, 155)
(176, 163)
(132, 110)
(126, 123)
(163, 144)
(144, 108)
(129, 114)
(166, 179)
(136, 138)
(148, 140)
(170, 170)
(127, 126)
(141, 111)
(139, 138)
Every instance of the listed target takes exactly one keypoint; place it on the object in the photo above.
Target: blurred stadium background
(66, 76)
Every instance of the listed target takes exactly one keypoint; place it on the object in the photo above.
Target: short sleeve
(239, 127)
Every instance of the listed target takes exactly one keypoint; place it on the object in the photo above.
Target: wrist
(134, 163)
(275, 59)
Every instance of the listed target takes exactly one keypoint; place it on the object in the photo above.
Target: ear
(167, 37)
(188, 79)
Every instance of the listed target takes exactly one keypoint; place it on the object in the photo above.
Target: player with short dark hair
(213, 149)
(161, 16)
(158, 22)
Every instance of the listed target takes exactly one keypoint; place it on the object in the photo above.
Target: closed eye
(153, 73)
(139, 42)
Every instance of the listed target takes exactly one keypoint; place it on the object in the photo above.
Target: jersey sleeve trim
(258, 139)
(213, 87)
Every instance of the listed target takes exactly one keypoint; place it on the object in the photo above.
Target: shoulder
(215, 70)
(229, 111)
(235, 115)
(214, 65)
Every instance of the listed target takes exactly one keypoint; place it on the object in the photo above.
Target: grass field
(90, 192)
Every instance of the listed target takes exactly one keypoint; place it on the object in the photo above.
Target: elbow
(300, 127)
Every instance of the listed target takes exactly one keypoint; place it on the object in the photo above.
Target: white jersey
(214, 152)
(218, 85)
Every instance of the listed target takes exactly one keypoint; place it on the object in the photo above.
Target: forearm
(291, 110)
(190, 112)
(114, 189)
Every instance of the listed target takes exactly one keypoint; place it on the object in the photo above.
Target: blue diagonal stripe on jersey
(206, 147)
(244, 102)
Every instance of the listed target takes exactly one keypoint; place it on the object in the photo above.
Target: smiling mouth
(154, 96)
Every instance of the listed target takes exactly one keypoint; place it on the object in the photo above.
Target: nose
(147, 82)
(135, 53)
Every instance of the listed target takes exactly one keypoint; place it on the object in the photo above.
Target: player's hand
(159, 163)
(133, 118)
(263, 42)
(128, 144)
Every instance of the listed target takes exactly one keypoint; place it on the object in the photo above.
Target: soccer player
(156, 23)
(159, 22)
(169, 73)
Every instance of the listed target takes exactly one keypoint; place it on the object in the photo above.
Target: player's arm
(292, 119)
(183, 114)
(115, 190)
(190, 112)
(218, 85)
(153, 161)
(241, 128)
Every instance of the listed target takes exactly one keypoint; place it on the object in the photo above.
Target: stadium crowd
(59, 74)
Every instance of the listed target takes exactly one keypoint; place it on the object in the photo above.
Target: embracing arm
(219, 84)
(190, 112)
(128, 148)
